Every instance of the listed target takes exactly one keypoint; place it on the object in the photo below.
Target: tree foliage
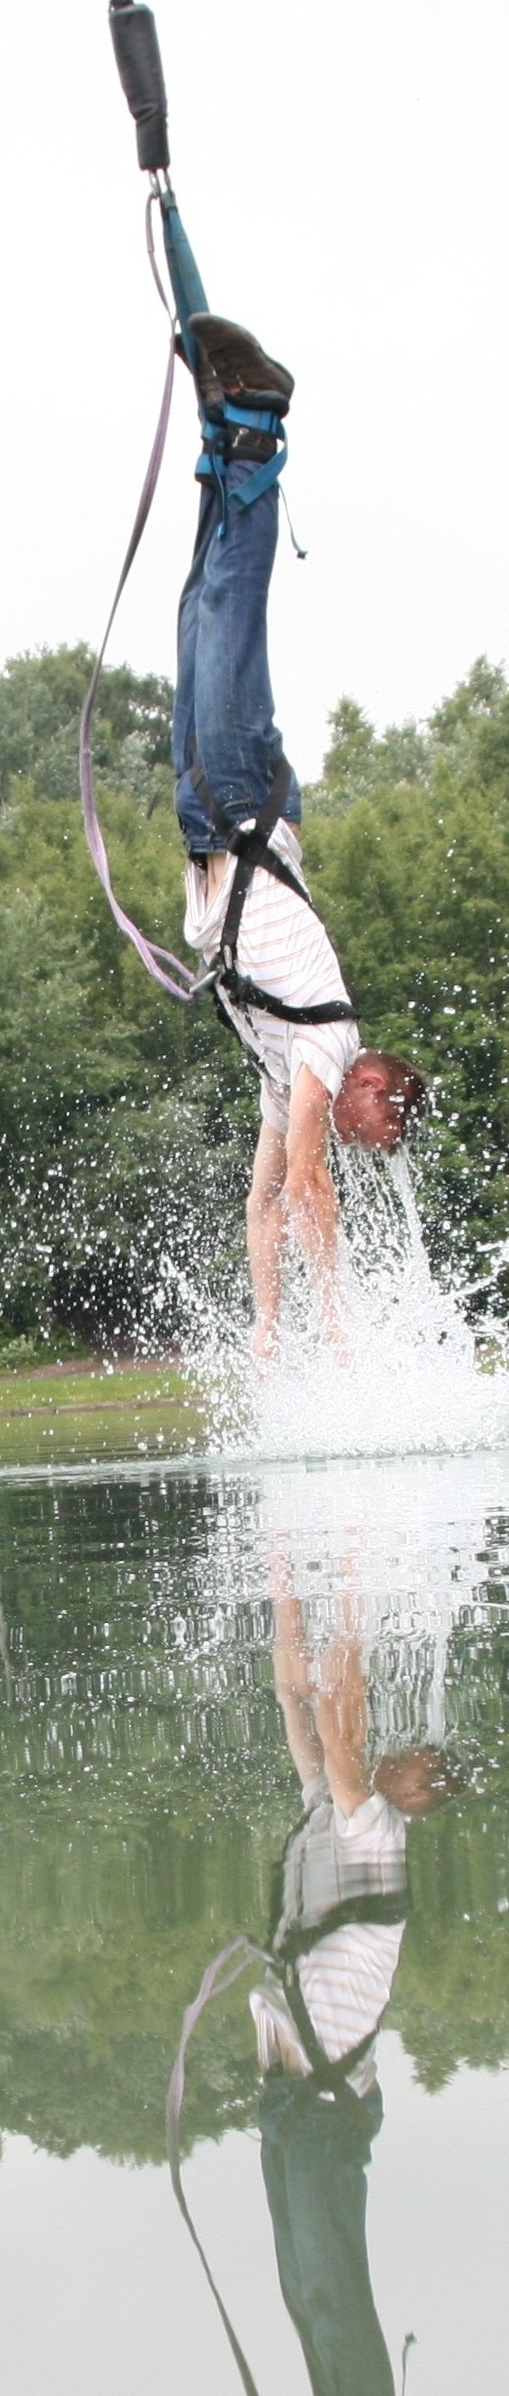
(41, 699)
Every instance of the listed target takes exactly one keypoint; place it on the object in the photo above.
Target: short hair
(443, 1779)
(402, 1081)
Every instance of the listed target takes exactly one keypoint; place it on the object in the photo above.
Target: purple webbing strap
(215, 1980)
(213, 1985)
(409, 2341)
(148, 950)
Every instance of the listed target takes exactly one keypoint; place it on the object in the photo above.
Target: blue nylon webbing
(261, 420)
(266, 475)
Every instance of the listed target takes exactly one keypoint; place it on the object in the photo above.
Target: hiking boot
(241, 366)
(138, 57)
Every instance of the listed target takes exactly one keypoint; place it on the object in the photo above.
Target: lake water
(147, 1791)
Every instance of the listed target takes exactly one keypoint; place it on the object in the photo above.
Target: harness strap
(180, 983)
(212, 460)
(251, 849)
(240, 988)
(149, 950)
(234, 835)
(386, 1905)
(245, 993)
(389, 1905)
(327, 2073)
(216, 1979)
(268, 473)
(254, 851)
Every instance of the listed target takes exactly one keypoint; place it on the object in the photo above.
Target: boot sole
(241, 365)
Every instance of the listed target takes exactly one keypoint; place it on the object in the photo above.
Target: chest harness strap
(251, 848)
(291, 1940)
(384, 1906)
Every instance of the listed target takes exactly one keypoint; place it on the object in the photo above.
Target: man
(340, 1903)
(238, 802)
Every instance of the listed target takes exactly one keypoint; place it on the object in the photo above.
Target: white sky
(342, 168)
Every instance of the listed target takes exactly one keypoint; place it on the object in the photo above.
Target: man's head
(418, 1780)
(379, 1095)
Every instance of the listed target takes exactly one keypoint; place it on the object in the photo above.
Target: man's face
(414, 1782)
(364, 1111)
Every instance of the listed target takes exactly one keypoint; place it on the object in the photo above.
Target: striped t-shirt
(346, 1978)
(283, 946)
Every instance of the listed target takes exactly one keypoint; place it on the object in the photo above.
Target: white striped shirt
(283, 946)
(346, 1979)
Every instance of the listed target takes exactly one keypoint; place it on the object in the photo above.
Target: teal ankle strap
(262, 420)
(211, 460)
(212, 463)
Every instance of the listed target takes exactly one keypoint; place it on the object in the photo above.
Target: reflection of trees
(451, 1997)
(95, 1975)
(99, 1951)
(123, 1867)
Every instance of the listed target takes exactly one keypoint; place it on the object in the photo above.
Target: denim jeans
(224, 707)
(314, 2157)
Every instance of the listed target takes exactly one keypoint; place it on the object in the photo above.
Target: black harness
(251, 848)
(286, 1946)
(390, 1907)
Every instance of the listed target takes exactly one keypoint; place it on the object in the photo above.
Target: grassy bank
(61, 1414)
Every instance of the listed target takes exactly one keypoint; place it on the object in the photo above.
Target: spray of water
(415, 1380)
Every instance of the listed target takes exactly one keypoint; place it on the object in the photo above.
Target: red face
(364, 1111)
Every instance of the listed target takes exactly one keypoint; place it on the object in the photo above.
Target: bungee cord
(188, 985)
(216, 1979)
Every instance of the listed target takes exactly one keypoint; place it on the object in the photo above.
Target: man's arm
(266, 1234)
(341, 1720)
(326, 1728)
(292, 1678)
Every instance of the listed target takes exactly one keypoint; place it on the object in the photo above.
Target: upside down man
(238, 802)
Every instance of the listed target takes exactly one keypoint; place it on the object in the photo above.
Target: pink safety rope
(216, 1979)
(189, 984)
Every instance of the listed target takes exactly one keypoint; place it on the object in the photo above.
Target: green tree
(41, 699)
(357, 763)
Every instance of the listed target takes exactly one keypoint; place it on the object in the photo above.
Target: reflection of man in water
(336, 1934)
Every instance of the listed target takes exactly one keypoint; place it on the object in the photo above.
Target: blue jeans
(224, 707)
(314, 2157)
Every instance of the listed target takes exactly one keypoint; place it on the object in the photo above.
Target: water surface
(147, 1790)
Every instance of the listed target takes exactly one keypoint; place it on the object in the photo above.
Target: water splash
(416, 1380)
